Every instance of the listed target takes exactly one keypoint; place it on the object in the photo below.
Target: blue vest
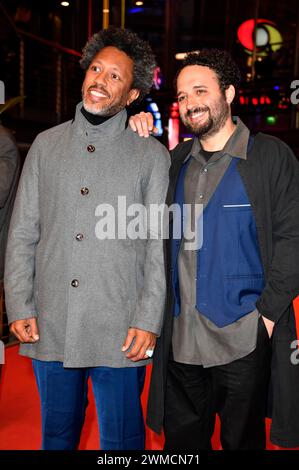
(230, 275)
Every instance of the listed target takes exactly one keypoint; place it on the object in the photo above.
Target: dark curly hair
(138, 50)
(220, 61)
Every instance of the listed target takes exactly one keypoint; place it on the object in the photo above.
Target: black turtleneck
(94, 119)
(207, 154)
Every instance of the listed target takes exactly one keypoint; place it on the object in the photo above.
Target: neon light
(152, 107)
(136, 10)
(271, 120)
(262, 37)
(158, 78)
(275, 40)
(173, 126)
(267, 36)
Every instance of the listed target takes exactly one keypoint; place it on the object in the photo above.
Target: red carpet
(20, 422)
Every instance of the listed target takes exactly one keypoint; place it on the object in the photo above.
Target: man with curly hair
(86, 302)
(229, 300)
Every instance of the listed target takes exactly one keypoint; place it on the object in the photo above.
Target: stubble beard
(105, 111)
(212, 125)
(109, 110)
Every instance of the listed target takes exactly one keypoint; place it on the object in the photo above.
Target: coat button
(84, 191)
(91, 148)
(75, 283)
(79, 237)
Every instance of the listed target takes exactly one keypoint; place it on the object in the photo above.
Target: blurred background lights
(271, 120)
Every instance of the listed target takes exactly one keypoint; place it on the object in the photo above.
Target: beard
(105, 111)
(213, 123)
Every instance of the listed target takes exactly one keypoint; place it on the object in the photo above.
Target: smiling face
(106, 89)
(204, 109)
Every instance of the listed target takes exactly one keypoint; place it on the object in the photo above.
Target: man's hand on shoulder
(26, 331)
(143, 124)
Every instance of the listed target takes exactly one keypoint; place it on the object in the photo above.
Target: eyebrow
(196, 87)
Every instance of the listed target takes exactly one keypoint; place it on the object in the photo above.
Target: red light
(245, 32)
(173, 126)
(174, 111)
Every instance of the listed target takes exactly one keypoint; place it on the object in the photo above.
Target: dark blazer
(271, 177)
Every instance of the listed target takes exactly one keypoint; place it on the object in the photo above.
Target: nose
(101, 78)
(191, 102)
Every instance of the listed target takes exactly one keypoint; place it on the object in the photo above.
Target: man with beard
(231, 298)
(84, 302)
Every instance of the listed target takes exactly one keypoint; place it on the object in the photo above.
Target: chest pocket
(241, 250)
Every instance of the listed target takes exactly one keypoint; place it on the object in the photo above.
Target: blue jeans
(63, 394)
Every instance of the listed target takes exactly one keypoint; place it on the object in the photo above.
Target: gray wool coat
(9, 175)
(85, 291)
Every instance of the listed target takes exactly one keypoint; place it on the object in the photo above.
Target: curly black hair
(220, 61)
(138, 50)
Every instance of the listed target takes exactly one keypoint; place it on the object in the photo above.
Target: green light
(271, 120)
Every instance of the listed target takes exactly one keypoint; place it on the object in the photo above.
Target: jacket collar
(236, 146)
(108, 130)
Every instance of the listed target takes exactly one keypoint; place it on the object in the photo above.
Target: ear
(132, 96)
(230, 93)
